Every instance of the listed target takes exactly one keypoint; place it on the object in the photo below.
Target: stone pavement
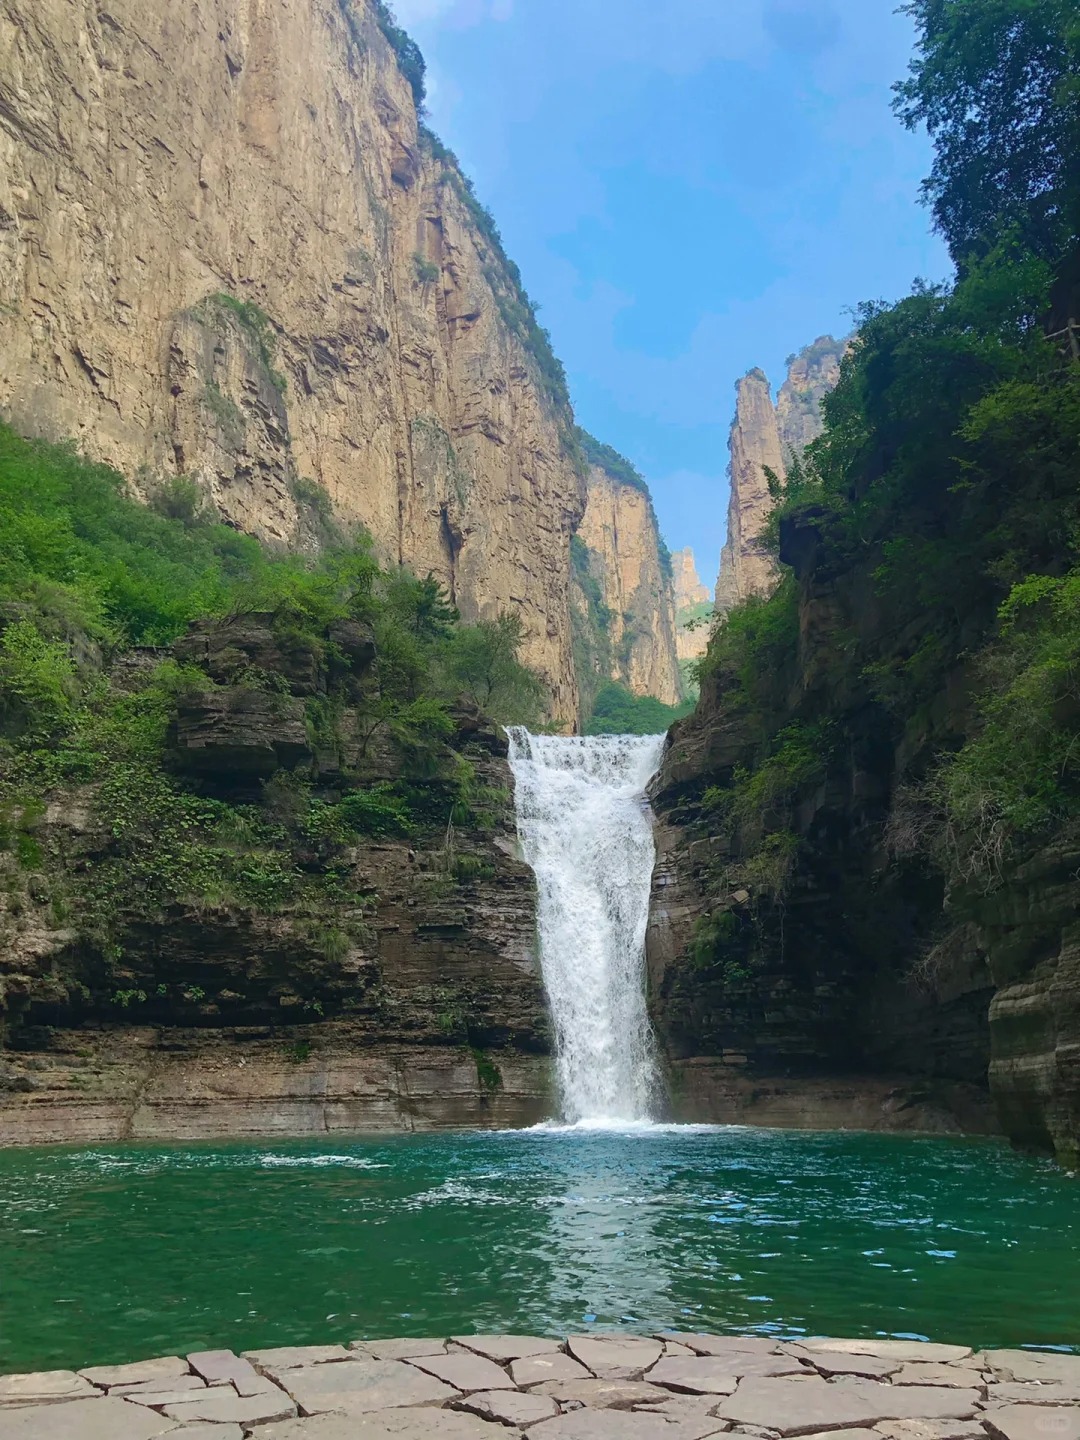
(671, 1386)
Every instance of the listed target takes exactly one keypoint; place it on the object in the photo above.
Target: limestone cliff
(624, 593)
(693, 607)
(764, 436)
(228, 250)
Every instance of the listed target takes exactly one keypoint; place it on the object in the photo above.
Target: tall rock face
(746, 568)
(797, 927)
(811, 375)
(764, 437)
(228, 251)
(693, 607)
(624, 597)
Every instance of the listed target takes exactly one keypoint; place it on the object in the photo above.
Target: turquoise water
(118, 1252)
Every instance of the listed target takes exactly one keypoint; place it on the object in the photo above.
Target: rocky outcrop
(693, 607)
(763, 438)
(812, 373)
(381, 978)
(689, 591)
(227, 251)
(797, 934)
(631, 584)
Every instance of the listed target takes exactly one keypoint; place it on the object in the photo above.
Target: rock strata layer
(228, 251)
(402, 992)
(675, 1386)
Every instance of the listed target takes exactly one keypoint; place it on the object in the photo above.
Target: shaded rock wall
(624, 561)
(764, 436)
(857, 960)
(159, 165)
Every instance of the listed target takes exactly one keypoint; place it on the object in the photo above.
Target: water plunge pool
(119, 1252)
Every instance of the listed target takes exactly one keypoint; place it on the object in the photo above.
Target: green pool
(119, 1252)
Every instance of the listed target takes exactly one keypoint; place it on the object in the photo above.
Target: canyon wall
(693, 609)
(798, 930)
(624, 595)
(228, 251)
(763, 437)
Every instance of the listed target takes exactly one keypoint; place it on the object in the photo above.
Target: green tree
(997, 84)
(483, 664)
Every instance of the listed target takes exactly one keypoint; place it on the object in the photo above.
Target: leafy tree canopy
(997, 84)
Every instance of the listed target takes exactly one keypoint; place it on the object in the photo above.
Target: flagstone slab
(1048, 1392)
(508, 1407)
(207, 1432)
(504, 1348)
(398, 1349)
(104, 1418)
(832, 1362)
(615, 1357)
(932, 1429)
(683, 1408)
(1032, 1365)
(856, 1434)
(222, 1367)
(702, 1344)
(358, 1387)
(294, 1357)
(44, 1387)
(890, 1349)
(914, 1402)
(932, 1373)
(390, 1425)
(221, 1405)
(534, 1369)
(602, 1394)
(466, 1372)
(619, 1425)
(804, 1406)
(1033, 1422)
(158, 1399)
(699, 1375)
(166, 1367)
(186, 1383)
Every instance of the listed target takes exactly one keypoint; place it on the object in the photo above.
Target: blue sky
(691, 188)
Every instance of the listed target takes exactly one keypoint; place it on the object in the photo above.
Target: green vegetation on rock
(304, 705)
(616, 711)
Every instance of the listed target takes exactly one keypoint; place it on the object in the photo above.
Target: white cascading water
(586, 833)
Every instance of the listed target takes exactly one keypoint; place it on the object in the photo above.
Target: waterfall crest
(586, 833)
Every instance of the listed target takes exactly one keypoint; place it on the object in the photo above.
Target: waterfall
(586, 832)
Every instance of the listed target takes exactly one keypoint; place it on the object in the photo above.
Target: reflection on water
(118, 1252)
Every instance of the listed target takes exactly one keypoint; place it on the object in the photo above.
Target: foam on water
(585, 831)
